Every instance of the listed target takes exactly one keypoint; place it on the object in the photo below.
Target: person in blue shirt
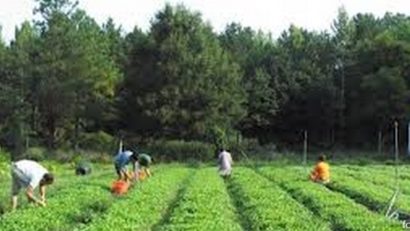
(121, 162)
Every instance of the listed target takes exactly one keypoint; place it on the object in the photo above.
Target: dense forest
(64, 78)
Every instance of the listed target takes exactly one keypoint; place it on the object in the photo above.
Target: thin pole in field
(408, 141)
(380, 142)
(396, 148)
(390, 213)
(305, 140)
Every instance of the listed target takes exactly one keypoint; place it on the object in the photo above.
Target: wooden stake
(408, 141)
(305, 147)
(396, 148)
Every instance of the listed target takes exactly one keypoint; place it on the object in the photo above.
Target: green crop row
(64, 181)
(60, 209)
(204, 205)
(72, 202)
(375, 178)
(60, 182)
(145, 205)
(267, 207)
(376, 197)
(341, 211)
(404, 171)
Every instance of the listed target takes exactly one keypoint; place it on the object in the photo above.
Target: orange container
(120, 187)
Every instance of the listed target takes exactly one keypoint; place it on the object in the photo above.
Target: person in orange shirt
(321, 172)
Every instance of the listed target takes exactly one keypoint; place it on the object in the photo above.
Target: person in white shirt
(29, 174)
(225, 163)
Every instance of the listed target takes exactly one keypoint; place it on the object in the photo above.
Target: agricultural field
(181, 197)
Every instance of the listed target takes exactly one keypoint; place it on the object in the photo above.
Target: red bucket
(120, 187)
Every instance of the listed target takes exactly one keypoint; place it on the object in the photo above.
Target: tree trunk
(76, 132)
(51, 128)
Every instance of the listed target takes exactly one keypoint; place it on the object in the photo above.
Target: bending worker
(321, 172)
(29, 174)
(142, 166)
(121, 161)
(140, 163)
(225, 163)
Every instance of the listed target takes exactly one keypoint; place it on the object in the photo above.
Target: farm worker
(321, 173)
(142, 166)
(29, 174)
(121, 161)
(83, 168)
(225, 163)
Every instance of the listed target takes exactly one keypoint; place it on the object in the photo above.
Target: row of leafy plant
(403, 170)
(145, 205)
(204, 205)
(342, 212)
(387, 180)
(374, 196)
(62, 209)
(265, 206)
(63, 179)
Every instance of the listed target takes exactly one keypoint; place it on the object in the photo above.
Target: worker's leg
(226, 176)
(15, 189)
(147, 172)
(121, 172)
(123, 175)
(129, 175)
(137, 172)
(324, 182)
(315, 178)
(223, 173)
(14, 202)
(229, 173)
(118, 171)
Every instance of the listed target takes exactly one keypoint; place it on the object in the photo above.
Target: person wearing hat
(142, 166)
(83, 168)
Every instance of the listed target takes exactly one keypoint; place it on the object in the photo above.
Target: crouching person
(82, 169)
(321, 172)
(29, 175)
(142, 169)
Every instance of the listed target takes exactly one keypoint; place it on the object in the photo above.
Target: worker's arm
(14, 202)
(136, 171)
(32, 198)
(128, 175)
(148, 172)
(42, 190)
(134, 166)
(315, 172)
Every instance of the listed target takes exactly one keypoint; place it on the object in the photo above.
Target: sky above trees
(268, 15)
